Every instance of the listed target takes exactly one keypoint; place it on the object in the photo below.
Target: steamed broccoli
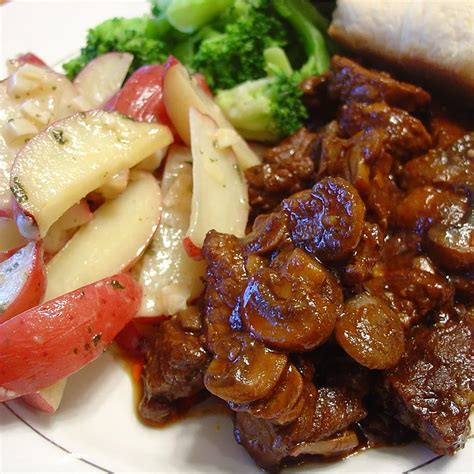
(253, 53)
(138, 36)
(270, 108)
(235, 54)
(264, 109)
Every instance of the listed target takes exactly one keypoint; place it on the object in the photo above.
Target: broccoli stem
(188, 16)
(305, 20)
(276, 61)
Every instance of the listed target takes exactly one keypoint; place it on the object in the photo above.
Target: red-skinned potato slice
(103, 77)
(181, 92)
(47, 399)
(54, 340)
(47, 177)
(26, 58)
(10, 237)
(141, 97)
(220, 199)
(22, 281)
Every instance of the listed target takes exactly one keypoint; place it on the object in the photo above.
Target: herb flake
(18, 191)
(96, 339)
(117, 285)
(58, 135)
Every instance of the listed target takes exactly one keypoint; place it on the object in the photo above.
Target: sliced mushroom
(328, 221)
(282, 402)
(336, 445)
(453, 246)
(294, 306)
(248, 373)
(370, 332)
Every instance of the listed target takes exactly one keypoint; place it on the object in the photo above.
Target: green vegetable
(304, 18)
(264, 109)
(277, 62)
(188, 16)
(233, 53)
(138, 36)
(253, 53)
(271, 108)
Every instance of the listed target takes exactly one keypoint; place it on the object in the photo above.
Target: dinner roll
(433, 39)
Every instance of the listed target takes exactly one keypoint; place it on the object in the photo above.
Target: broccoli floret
(264, 109)
(138, 36)
(158, 7)
(270, 108)
(235, 54)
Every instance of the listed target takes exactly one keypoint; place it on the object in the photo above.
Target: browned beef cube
(431, 389)
(174, 370)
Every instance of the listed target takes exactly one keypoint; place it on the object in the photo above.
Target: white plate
(96, 428)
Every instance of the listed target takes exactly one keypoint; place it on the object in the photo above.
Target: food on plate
(22, 281)
(111, 241)
(32, 97)
(243, 48)
(169, 276)
(319, 282)
(73, 157)
(327, 326)
(439, 51)
(47, 399)
(10, 237)
(48, 342)
(102, 78)
(217, 178)
(181, 93)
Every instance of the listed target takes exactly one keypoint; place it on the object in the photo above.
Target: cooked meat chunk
(452, 167)
(404, 136)
(365, 255)
(226, 279)
(412, 293)
(327, 221)
(464, 287)
(286, 169)
(370, 332)
(445, 129)
(430, 390)
(174, 370)
(351, 82)
(327, 411)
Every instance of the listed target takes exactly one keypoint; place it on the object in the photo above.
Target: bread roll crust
(431, 40)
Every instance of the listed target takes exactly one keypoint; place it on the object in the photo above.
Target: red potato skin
(141, 98)
(192, 249)
(7, 254)
(33, 289)
(201, 80)
(35, 400)
(30, 58)
(56, 339)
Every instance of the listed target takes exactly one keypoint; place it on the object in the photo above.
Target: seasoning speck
(96, 339)
(117, 285)
(58, 135)
(18, 191)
